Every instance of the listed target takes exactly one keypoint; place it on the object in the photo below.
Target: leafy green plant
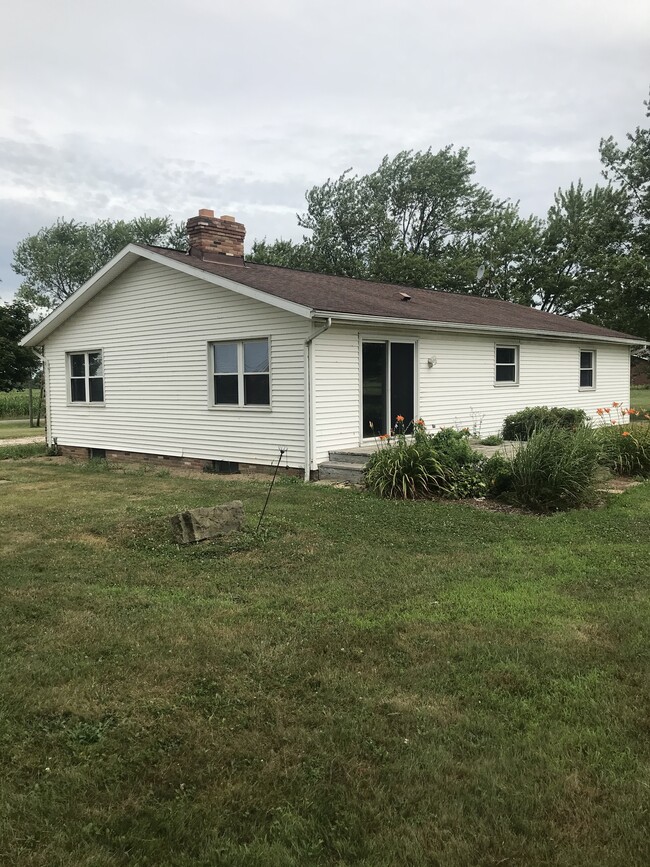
(497, 474)
(460, 463)
(493, 440)
(520, 425)
(556, 469)
(625, 449)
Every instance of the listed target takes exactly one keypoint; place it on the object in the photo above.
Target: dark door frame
(363, 436)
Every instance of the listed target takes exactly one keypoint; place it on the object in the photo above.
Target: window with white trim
(506, 365)
(587, 368)
(86, 373)
(241, 373)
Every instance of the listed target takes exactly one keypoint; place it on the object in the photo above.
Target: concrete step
(353, 457)
(342, 472)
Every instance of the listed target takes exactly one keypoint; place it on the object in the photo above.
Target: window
(86, 377)
(241, 373)
(506, 364)
(587, 369)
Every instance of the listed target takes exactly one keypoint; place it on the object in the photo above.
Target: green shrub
(460, 464)
(556, 469)
(404, 470)
(497, 474)
(453, 449)
(625, 449)
(493, 440)
(521, 425)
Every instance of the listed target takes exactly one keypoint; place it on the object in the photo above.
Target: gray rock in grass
(197, 525)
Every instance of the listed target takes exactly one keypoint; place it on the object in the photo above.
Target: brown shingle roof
(324, 292)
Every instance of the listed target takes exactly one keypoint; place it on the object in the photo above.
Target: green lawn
(365, 682)
(640, 398)
(17, 428)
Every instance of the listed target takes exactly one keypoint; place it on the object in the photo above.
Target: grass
(20, 428)
(640, 398)
(22, 450)
(364, 682)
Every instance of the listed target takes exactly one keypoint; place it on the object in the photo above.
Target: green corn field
(15, 404)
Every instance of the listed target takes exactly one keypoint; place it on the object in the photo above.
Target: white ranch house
(204, 358)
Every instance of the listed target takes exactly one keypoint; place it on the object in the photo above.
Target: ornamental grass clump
(405, 467)
(556, 470)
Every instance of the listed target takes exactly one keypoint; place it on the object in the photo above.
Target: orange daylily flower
(626, 433)
(615, 403)
(600, 411)
(399, 418)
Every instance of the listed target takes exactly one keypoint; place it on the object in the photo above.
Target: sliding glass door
(388, 385)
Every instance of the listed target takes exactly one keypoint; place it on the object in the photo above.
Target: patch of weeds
(289, 481)
(22, 450)
(76, 730)
(249, 539)
(96, 465)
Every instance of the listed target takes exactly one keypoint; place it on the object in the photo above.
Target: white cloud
(120, 108)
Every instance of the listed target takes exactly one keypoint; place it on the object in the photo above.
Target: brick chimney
(208, 235)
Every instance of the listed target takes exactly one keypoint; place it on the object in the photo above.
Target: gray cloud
(123, 108)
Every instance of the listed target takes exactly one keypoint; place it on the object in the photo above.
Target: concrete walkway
(507, 448)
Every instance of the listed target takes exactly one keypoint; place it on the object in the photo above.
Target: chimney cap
(205, 212)
(228, 218)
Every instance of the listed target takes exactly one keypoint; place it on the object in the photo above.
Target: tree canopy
(59, 258)
(17, 364)
(421, 219)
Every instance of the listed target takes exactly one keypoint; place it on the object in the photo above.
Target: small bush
(625, 449)
(405, 471)
(556, 469)
(494, 440)
(453, 449)
(460, 464)
(521, 425)
(497, 474)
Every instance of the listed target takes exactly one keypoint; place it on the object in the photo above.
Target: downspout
(46, 374)
(309, 402)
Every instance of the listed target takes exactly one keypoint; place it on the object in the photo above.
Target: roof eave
(475, 329)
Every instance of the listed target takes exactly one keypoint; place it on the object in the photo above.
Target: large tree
(59, 258)
(419, 219)
(584, 242)
(17, 364)
(626, 304)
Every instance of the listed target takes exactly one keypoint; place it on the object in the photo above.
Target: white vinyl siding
(458, 388)
(156, 327)
(336, 391)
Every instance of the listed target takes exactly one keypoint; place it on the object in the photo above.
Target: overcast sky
(115, 109)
